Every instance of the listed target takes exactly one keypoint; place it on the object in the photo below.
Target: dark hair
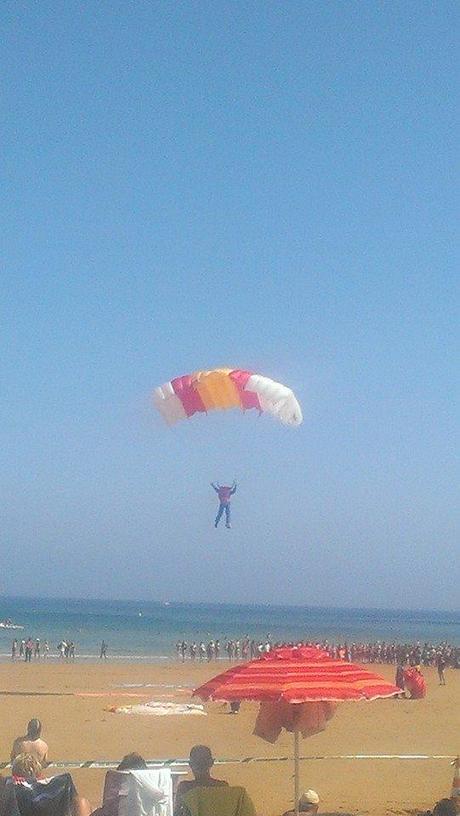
(201, 758)
(132, 762)
(34, 729)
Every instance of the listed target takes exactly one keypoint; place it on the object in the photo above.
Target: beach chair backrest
(114, 782)
(225, 801)
(45, 797)
(138, 793)
(8, 801)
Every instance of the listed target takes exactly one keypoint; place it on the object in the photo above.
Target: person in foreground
(130, 762)
(31, 744)
(27, 792)
(205, 795)
(308, 803)
(201, 762)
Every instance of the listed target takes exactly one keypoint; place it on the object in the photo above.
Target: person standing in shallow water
(103, 654)
(28, 650)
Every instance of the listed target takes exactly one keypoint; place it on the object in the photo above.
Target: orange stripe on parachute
(216, 389)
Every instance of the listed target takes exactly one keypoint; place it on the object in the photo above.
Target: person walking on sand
(441, 665)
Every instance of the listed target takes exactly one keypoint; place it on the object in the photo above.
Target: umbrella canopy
(297, 675)
(297, 689)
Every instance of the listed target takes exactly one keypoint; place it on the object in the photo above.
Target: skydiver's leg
(219, 514)
(227, 515)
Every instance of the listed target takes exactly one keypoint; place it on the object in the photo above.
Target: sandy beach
(73, 702)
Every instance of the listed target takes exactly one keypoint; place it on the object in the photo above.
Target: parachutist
(225, 494)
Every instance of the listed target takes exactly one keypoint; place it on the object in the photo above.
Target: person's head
(201, 760)
(26, 765)
(34, 729)
(309, 802)
(445, 807)
(132, 762)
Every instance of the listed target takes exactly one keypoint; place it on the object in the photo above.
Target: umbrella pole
(296, 773)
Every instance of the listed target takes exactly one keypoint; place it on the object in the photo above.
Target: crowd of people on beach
(441, 655)
(35, 649)
(246, 648)
(135, 790)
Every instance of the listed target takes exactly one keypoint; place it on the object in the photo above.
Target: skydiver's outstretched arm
(233, 490)
(216, 487)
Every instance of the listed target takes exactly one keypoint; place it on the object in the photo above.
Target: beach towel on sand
(149, 793)
(225, 801)
(45, 797)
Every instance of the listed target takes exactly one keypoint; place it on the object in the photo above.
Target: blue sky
(262, 185)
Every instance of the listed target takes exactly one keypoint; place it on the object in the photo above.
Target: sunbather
(27, 792)
(134, 789)
(132, 762)
(32, 743)
(109, 807)
(201, 762)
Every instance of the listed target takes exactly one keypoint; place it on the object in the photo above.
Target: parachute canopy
(223, 388)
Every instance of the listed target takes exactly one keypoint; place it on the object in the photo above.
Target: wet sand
(72, 700)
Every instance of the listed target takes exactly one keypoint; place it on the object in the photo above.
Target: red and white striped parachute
(223, 388)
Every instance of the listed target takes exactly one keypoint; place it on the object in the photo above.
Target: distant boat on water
(8, 624)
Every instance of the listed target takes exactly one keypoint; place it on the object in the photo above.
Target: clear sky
(256, 184)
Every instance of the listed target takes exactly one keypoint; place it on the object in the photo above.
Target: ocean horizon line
(232, 604)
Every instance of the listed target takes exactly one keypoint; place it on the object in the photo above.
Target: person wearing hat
(308, 803)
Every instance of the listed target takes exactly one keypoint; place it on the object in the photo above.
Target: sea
(148, 631)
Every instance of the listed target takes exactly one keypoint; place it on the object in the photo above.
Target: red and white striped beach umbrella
(297, 675)
(298, 689)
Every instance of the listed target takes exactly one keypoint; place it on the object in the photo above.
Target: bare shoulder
(42, 748)
(18, 745)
